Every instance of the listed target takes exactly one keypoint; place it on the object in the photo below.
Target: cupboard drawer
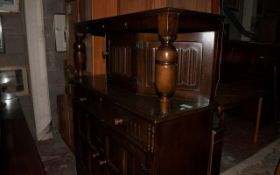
(130, 124)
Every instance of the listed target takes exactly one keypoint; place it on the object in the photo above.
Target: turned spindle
(166, 59)
(80, 54)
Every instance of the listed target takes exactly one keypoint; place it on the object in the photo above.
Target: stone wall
(55, 60)
(16, 54)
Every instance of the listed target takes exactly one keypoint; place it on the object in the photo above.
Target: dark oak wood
(65, 113)
(130, 135)
(19, 152)
(120, 126)
(81, 10)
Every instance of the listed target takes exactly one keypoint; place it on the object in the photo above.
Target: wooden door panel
(124, 158)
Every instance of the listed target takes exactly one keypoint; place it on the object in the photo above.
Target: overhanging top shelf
(148, 21)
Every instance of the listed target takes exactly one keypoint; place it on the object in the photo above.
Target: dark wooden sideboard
(118, 132)
(152, 113)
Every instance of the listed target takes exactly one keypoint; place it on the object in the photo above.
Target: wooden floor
(18, 149)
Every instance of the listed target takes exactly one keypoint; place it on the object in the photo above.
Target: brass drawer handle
(104, 162)
(82, 99)
(95, 155)
(118, 121)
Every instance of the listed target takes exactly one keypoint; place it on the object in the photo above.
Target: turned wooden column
(166, 59)
(80, 54)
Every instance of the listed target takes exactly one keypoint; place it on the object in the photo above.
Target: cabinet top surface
(147, 106)
(148, 21)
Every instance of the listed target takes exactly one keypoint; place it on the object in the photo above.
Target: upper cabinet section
(145, 49)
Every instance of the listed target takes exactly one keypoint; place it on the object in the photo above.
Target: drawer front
(133, 126)
(130, 124)
(89, 100)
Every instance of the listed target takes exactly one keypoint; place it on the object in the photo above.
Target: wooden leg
(258, 119)
(213, 133)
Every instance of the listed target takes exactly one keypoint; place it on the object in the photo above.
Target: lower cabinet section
(119, 137)
(101, 151)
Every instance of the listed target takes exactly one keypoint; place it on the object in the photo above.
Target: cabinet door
(124, 157)
(83, 150)
(136, 163)
(90, 142)
(97, 145)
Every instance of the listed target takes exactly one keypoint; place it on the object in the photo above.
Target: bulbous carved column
(166, 59)
(80, 54)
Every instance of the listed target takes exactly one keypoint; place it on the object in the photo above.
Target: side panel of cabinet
(189, 151)
(64, 105)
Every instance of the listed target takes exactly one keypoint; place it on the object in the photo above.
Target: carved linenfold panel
(189, 64)
(150, 65)
(120, 61)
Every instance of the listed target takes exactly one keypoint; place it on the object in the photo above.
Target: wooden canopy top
(148, 21)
